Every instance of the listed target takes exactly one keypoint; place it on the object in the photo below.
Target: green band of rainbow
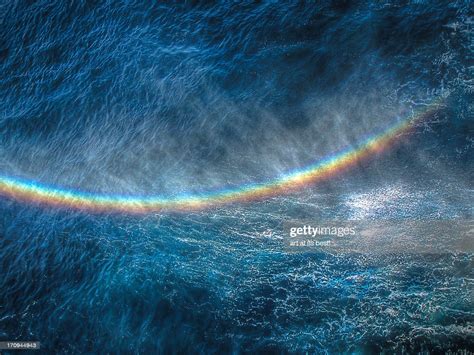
(34, 192)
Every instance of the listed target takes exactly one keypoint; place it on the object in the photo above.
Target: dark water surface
(145, 98)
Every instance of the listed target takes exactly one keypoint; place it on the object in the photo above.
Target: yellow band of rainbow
(34, 192)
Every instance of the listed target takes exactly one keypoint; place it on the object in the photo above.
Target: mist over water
(157, 99)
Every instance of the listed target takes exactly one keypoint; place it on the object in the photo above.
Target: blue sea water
(154, 98)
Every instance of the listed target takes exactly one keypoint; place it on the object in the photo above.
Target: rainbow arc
(29, 191)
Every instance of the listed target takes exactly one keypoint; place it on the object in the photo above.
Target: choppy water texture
(137, 99)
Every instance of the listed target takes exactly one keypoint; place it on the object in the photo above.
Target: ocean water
(138, 99)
